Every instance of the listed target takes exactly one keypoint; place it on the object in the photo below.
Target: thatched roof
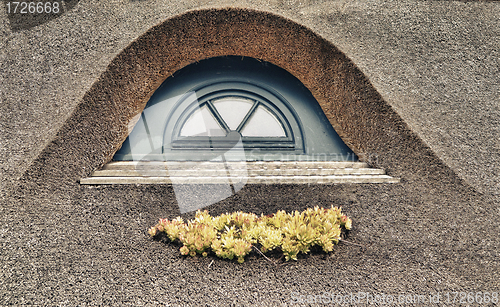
(414, 83)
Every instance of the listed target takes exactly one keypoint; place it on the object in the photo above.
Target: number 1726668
(33, 7)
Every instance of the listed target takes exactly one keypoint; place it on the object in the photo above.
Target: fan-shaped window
(228, 110)
(225, 103)
(220, 119)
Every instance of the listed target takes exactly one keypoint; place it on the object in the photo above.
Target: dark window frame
(309, 134)
(225, 90)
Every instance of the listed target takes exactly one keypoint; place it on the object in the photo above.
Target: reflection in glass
(233, 110)
(202, 123)
(263, 123)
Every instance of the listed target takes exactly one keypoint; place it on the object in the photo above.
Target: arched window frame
(310, 135)
(164, 157)
(278, 106)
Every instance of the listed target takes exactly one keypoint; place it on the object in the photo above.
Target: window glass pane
(264, 124)
(233, 110)
(202, 123)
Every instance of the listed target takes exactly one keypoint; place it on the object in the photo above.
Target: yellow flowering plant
(232, 235)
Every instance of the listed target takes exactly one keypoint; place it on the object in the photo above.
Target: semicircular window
(233, 108)
(219, 122)
(234, 114)
(230, 121)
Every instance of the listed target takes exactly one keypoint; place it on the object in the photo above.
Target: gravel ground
(93, 248)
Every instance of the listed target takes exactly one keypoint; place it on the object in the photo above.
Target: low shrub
(233, 235)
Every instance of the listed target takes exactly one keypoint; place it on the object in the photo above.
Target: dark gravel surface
(93, 248)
